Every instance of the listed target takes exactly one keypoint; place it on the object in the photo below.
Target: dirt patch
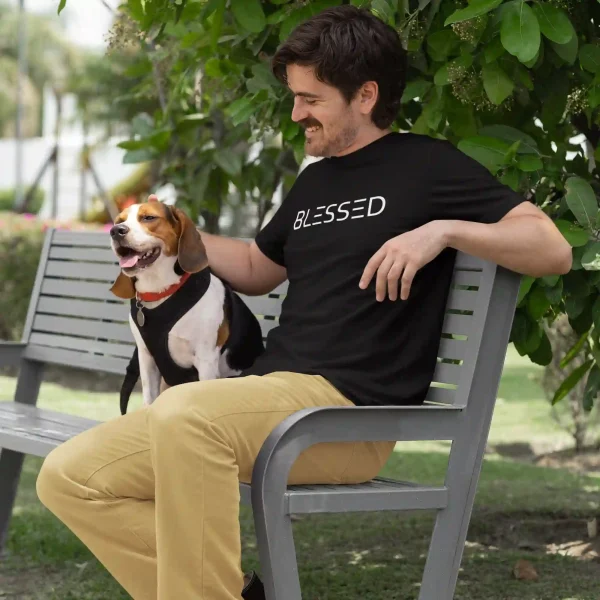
(550, 534)
(587, 461)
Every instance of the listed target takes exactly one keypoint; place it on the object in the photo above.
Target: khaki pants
(154, 494)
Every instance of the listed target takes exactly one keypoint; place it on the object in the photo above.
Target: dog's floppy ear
(191, 253)
(123, 287)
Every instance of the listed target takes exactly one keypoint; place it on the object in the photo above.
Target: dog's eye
(148, 218)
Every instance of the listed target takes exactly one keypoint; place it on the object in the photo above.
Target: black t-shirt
(339, 212)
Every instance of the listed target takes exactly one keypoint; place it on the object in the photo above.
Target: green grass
(520, 509)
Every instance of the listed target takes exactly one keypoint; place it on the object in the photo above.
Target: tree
(512, 83)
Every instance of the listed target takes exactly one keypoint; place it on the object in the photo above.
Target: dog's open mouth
(132, 259)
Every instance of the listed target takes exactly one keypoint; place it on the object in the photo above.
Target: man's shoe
(254, 589)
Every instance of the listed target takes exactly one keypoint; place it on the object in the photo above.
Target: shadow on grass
(520, 511)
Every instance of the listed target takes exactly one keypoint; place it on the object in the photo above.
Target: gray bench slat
(446, 373)
(462, 299)
(84, 308)
(467, 261)
(455, 349)
(84, 254)
(75, 358)
(281, 289)
(37, 431)
(81, 238)
(82, 270)
(466, 278)
(442, 395)
(457, 324)
(77, 289)
(263, 305)
(82, 344)
(369, 496)
(83, 327)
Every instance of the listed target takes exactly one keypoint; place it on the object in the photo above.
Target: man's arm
(243, 265)
(525, 240)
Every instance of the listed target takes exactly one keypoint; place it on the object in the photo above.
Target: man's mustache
(306, 124)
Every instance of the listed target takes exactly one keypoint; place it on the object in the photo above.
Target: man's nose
(299, 113)
(120, 230)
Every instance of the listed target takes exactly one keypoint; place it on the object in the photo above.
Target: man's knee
(53, 481)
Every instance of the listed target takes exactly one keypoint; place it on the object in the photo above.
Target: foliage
(7, 200)
(21, 238)
(510, 82)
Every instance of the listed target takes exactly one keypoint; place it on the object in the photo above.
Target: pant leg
(199, 440)
(101, 485)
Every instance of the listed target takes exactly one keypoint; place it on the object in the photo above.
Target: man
(367, 238)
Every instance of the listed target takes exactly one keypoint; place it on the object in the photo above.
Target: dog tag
(140, 317)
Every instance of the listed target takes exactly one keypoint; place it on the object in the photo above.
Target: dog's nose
(120, 230)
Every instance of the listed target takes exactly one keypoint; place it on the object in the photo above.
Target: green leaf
(520, 31)
(61, 5)
(529, 163)
(142, 125)
(555, 293)
(526, 334)
(573, 351)
(510, 134)
(138, 156)
(581, 200)
(475, 9)
(453, 70)
(229, 161)
(592, 387)
(416, 89)
(568, 52)
(575, 235)
(594, 94)
(589, 58)
(249, 14)
(554, 96)
(524, 287)
(383, 10)
(511, 178)
(591, 259)
(537, 303)
(596, 313)
(543, 354)
(240, 110)
(489, 151)
(497, 84)
(217, 24)
(441, 43)
(554, 23)
(571, 381)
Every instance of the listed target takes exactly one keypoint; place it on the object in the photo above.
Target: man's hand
(401, 258)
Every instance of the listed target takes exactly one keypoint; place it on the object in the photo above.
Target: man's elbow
(559, 261)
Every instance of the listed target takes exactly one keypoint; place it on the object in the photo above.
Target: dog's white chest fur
(191, 342)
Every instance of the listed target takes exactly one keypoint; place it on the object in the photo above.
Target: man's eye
(311, 102)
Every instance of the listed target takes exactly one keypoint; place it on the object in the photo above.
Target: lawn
(522, 511)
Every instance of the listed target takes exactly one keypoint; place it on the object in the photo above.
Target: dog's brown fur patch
(223, 333)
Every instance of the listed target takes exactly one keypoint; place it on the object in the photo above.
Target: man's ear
(191, 252)
(123, 287)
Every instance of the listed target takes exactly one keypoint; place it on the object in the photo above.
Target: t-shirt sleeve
(272, 237)
(463, 189)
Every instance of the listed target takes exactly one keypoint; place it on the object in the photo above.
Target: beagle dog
(188, 324)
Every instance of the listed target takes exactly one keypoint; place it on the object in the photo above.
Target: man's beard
(325, 147)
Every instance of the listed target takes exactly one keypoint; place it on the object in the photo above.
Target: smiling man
(367, 238)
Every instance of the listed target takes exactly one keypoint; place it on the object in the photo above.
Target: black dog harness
(244, 343)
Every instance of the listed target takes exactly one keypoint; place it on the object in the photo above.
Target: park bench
(74, 320)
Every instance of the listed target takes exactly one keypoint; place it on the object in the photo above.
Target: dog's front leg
(149, 374)
(206, 361)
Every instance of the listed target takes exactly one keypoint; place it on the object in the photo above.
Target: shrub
(7, 200)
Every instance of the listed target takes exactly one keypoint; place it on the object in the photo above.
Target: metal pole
(22, 73)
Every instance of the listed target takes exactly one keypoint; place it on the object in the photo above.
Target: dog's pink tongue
(128, 261)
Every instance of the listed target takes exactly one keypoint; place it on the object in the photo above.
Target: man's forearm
(229, 258)
(528, 245)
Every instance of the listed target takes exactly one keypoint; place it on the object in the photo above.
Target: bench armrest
(11, 353)
(312, 426)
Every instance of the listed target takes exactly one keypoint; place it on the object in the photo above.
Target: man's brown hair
(348, 46)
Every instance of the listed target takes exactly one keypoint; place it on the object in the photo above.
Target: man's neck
(364, 139)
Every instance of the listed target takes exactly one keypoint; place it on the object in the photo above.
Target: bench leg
(451, 526)
(279, 569)
(11, 462)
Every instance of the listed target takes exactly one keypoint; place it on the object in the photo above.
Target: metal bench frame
(76, 269)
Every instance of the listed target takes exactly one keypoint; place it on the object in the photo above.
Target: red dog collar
(153, 296)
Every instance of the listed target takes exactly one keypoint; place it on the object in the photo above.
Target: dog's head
(149, 236)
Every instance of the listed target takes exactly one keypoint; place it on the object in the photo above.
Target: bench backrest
(75, 320)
